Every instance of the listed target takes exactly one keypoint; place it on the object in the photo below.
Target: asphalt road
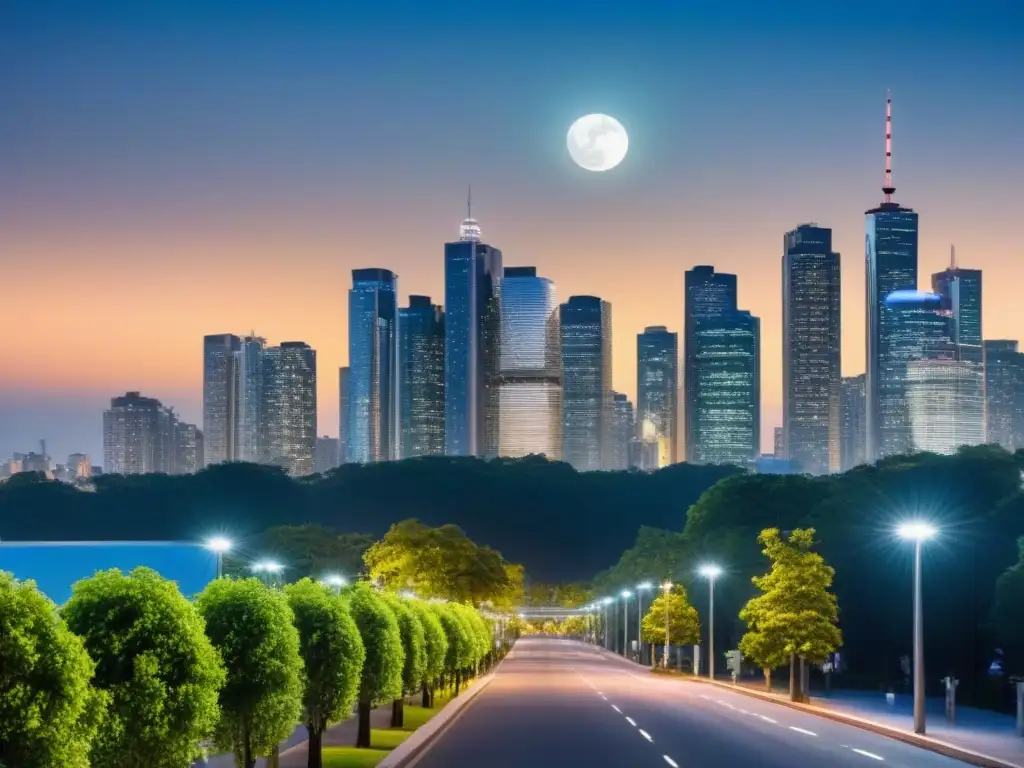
(563, 703)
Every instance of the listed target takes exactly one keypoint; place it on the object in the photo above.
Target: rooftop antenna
(952, 257)
(470, 229)
(888, 189)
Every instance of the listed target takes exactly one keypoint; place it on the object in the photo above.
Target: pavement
(557, 702)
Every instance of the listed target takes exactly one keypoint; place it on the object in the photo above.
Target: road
(561, 703)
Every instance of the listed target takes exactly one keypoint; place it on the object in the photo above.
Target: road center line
(768, 719)
(802, 730)
(670, 761)
(872, 755)
(646, 735)
(616, 709)
(631, 721)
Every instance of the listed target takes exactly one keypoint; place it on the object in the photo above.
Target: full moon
(597, 142)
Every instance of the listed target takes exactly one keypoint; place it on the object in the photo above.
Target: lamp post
(918, 532)
(711, 572)
(269, 567)
(607, 638)
(336, 582)
(667, 586)
(640, 589)
(219, 545)
(626, 594)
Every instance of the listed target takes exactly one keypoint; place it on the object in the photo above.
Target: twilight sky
(170, 169)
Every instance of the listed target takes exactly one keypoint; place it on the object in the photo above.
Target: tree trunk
(398, 713)
(794, 692)
(363, 730)
(805, 680)
(274, 758)
(458, 677)
(316, 748)
(425, 702)
(248, 760)
(768, 679)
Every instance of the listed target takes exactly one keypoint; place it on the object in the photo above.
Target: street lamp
(640, 589)
(710, 571)
(220, 545)
(918, 532)
(607, 640)
(626, 594)
(267, 566)
(667, 587)
(336, 581)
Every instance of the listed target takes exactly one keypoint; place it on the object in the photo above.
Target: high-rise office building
(343, 412)
(421, 378)
(811, 371)
(530, 389)
(289, 406)
(657, 388)
(586, 340)
(708, 294)
(624, 436)
(854, 422)
(472, 295)
(779, 443)
(373, 366)
(960, 290)
(79, 466)
(248, 366)
(1004, 393)
(142, 436)
(725, 419)
(326, 456)
(891, 265)
(188, 449)
(220, 390)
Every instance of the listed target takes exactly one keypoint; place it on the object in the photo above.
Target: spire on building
(470, 229)
(888, 188)
(952, 257)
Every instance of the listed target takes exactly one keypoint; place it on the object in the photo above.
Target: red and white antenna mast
(888, 188)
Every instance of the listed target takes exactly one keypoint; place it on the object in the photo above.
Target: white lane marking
(705, 697)
(616, 709)
(768, 719)
(646, 735)
(604, 697)
(743, 712)
(872, 755)
(670, 761)
(801, 730)
(631, 721)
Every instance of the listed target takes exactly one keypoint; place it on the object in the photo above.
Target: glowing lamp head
(916, 530)
(218, 544)
(667, 586)
(267, 566)
(334, 580)
(710, 571)
(607, 601)
(626, 593)
(644, 585)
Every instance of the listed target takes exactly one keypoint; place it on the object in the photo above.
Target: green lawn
(352, 757)
(382, 739)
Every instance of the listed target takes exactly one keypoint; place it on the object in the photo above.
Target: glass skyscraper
(220, 390)
(586, 339)
(1004, 393)
(624, 436)
(289, 406)
(343, 413)
(421, 378)
(708, 294)
(811, 372)
(657, 387)
(373, 366)
(960, 290)
(530, 390)
(854, 418)
(472, 295)
(249, 382)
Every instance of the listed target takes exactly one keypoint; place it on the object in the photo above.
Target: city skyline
(660, 213)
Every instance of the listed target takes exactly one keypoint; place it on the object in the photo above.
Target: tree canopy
(461, 646)
(312, 550)
(683, 621)
(253, 627)
(414, 642)
(49, 713)
(154, 660)
(435, 640)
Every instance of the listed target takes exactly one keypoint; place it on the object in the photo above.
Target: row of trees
(131, 674)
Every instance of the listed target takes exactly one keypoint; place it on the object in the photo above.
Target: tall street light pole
(640, 589)
(219, 545)
(667, 586)
(607, 637)
(626, 594)
(711, 572)
(918, 532)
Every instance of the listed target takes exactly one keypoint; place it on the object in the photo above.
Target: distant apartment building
(289, 404)
(220, 397)
(623, 433)
(326, 457)
(853, 428)
(1004, 393)
(142, 436)
(657, 386)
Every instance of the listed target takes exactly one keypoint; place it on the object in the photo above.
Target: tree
(460, 642)
(549, 628)
(381, 677)
(332, 655)
(795, 615)
(414, 645)
(253, 628)
(436, 646)
(683, 621)
(49, 714)
(574, 626)
(154, 660)
(1006, 611)
(315, 550)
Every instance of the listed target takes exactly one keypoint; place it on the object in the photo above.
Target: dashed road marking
(631, 721)
(670, 761)
(768, 719)
(616, 709)
(802, 730)
(646, 735)
(872, 755)
(604, 697)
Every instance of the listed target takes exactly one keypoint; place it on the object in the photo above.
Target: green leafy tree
(436, 646)
(549, 628)
(381, 678)
(155, 662)
(414, 644)
(517, 627)
(253, 627)
(477, 634)
(573, 626)
(49, 714)
(332, 654)
(461, 645)
(765, 650)
(683, 621)
(311, 550)
(795, 615)
(1007, 616)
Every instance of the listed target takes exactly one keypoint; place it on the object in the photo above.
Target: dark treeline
(973, 498)
(562, 525)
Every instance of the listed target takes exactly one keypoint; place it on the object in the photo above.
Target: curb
(413, 748)
(924, 742)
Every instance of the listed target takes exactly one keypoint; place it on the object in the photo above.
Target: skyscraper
(1004, 393)
(708, 294)
(586, 339)
(811, 370)
(188, 449)
(421, 378)
(854, 422)
(623, 433)
(249, 398)
(657, 388)
(373, 366)
(472, 295)
(343, 412)
(530, 390)
(960, 290)
(142, 436)
(289, 406)
(891, 259)
(220, 388)
(326, 455)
